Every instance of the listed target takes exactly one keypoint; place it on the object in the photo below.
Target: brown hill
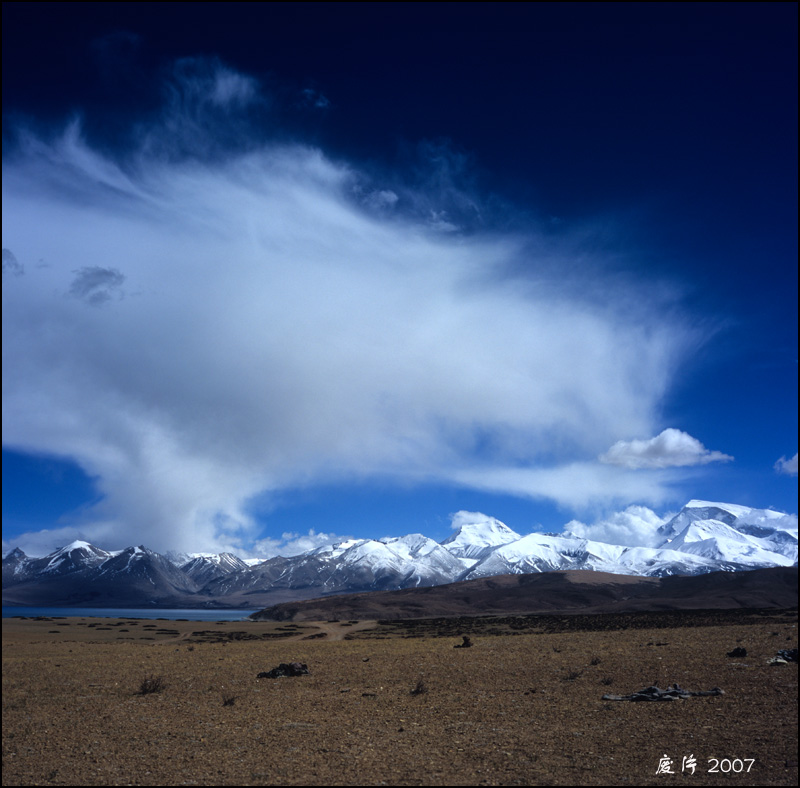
(576, 591)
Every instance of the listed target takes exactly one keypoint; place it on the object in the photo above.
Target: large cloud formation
(198, 329)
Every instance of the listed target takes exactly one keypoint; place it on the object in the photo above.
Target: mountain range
(702, 538)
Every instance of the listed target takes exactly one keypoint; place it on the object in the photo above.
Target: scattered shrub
(151, 684)
(420, 688)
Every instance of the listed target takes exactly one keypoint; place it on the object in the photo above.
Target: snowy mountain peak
(734, 515)
(205, 567)
(76, 555)
(477, 535)
(412, 545)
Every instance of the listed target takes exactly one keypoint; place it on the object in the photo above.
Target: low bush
(151, 684)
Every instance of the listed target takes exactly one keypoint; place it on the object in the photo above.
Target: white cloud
(461, 518)
(36, 544)
(788, 467)
(636, 526)
(578, 486)
(275, 335)
(95, 285)
(439, 221)
(230, 87)
(314, 99)
(381, 200)
(197, 83)
(672, 448)
(292, 543)
(11, 265)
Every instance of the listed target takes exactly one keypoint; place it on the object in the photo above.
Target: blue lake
(130, 612)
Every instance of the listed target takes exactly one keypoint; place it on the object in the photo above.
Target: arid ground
(397, 704)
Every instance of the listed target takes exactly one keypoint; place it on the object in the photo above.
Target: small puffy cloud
(313, 99)
(788, 467)
(198, 81)
(439, 221)
(672, 448)
(10, 264)
(96, 285)
(232, 88)
(636, 526)
(462, 518)
(381, 200)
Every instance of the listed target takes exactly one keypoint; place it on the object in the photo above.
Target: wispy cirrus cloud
(575, 486)
(279, 330)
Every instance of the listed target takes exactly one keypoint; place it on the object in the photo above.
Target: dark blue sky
(652, 145)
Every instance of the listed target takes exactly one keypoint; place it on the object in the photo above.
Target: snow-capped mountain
(142, 566)
(757, 522)
(539, 553)
(75, 557)
(353, 565)
(703, 537)
(715, 540)
(725, 532)
(15, 567)
(402, 562)
(477, 538)
(207, 567)
(82, 574)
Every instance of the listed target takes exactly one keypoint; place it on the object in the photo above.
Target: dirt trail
(338, 630)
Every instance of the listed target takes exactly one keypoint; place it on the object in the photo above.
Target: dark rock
(674, 692)
(738, 652)
(285, 669)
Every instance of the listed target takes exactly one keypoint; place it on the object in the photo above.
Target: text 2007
(731, 764)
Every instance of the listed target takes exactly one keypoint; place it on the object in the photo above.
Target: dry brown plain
(522, 709)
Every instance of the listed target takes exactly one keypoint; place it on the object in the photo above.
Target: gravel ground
(522, 709)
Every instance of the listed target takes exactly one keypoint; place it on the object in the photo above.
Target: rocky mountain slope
(575, 591)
